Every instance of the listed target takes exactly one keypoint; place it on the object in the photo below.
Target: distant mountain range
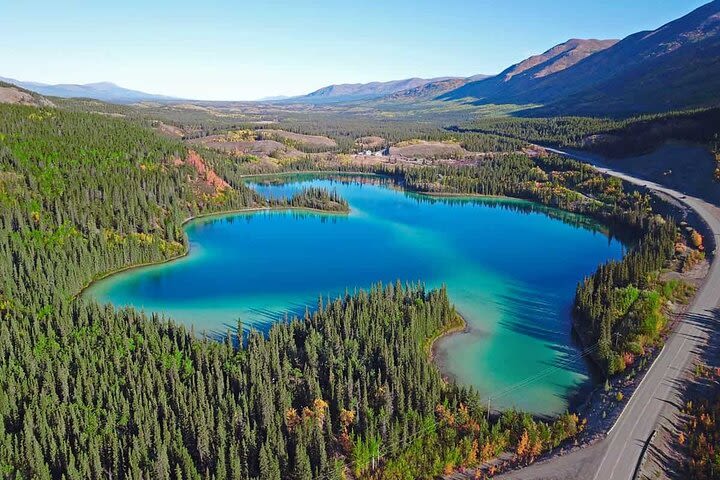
(409, 87)
(518, 78)
(673, 67)
(274, 98)
(105, 91)
(676, 66)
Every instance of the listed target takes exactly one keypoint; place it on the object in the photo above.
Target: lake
(510, 266)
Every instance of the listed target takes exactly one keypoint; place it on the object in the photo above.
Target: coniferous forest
(161, 254)
(618, 309)
(88, 391)
(613, 137)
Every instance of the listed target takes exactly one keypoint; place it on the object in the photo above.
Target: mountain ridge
(343, 92)
(434, 88)
(674, 66)
(105, 91)
(12, 94)
(522, 75)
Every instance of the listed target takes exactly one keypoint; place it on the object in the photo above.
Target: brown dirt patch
(18, 97)
(258, 148)
(370, 143)
(299, 138)
(170, 130)
(423, 149)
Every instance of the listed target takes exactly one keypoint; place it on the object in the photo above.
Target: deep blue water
(511, 268)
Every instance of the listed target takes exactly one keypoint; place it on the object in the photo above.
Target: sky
(240, 50)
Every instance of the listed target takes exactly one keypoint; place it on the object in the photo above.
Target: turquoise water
(511, 268)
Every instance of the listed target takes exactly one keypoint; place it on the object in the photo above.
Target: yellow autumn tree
(292, 419)
(320, 406)
(307, 413)
(523, 444)
(487, 451)
(697, 239)
(536, 448)
(444, 415)
(472, 456)
(347, 418)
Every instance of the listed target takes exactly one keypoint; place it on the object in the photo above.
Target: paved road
(616, 457)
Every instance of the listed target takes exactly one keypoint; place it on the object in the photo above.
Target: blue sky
(236, 50)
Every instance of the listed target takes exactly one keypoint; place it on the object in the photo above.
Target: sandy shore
(460, 325)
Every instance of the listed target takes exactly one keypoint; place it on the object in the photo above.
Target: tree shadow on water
(262, 321)
(528, 314)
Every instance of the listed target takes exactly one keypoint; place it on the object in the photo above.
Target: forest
(700, 436)
(619, 310)
(612, 306)
(89, 391)
(318, 199)
(345, 390)
(613, 137)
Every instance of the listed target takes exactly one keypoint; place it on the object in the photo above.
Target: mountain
(556, 59)
(13, 94)
(105, 91)
(676, 66)
(434, 88)
(521, 76)
(408, 88)
(363, 91)
(274, 98)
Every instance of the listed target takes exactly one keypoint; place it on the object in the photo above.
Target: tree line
(89, 391)
(618, 311)
(613, 137)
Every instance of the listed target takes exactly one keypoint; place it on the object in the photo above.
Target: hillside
(675, 66)
(19, 96)
(105, 91)
(517, 78)
(364, 91)
(434, 89)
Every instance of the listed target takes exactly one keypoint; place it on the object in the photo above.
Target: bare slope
(13, 94)
(521, 76)
(676, 66)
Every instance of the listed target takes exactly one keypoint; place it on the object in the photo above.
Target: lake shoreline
(191, 218)
(433, 344)
(186, 250)
(458, 326)
(310, 172)
(467, 195)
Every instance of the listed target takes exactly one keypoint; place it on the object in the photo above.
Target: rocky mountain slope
(676, 66)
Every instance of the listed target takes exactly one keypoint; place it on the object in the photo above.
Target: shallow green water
(511, 268)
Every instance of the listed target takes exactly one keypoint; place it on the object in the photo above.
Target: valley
(441, 276)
